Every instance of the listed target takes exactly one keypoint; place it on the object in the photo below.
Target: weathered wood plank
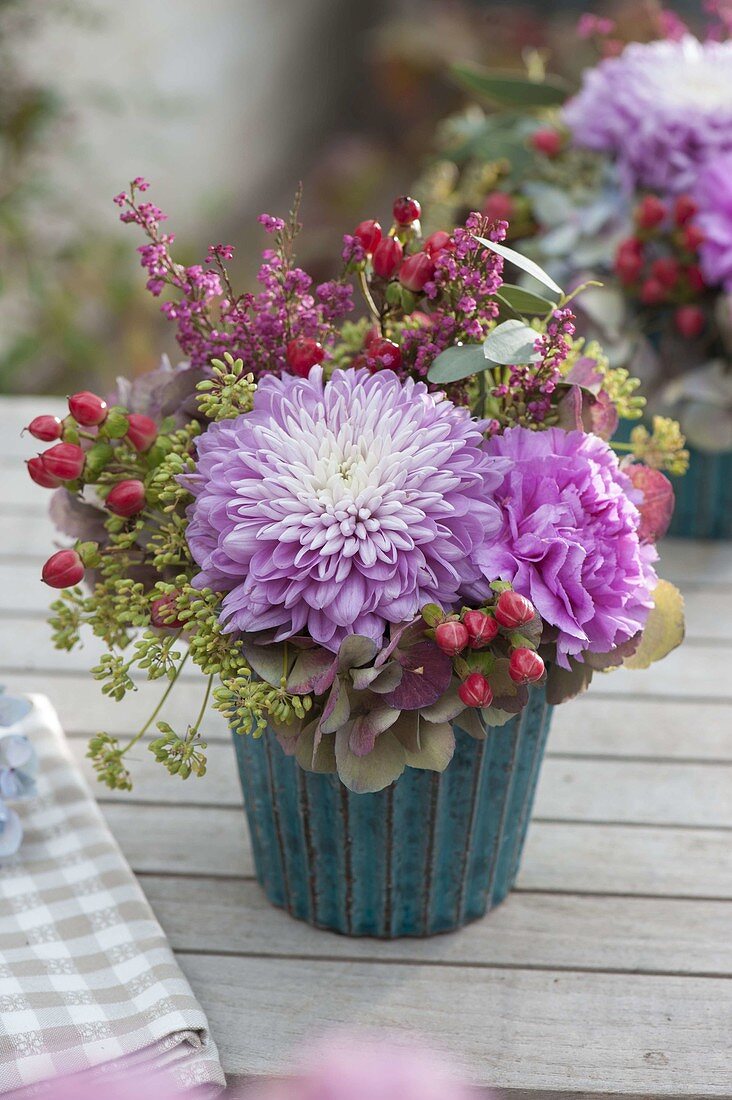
(694, 671)
(590, 726)
(567, 857)
(643, 935)
(689, 795)
(656, 1036)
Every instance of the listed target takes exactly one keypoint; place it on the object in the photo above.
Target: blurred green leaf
(509, 89)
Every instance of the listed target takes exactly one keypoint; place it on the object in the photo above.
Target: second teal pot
(428, 854)
(704, 497)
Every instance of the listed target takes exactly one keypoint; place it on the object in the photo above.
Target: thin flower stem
(195, 727)
(367, 295)
(158, 708)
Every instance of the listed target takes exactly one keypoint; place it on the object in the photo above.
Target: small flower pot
(704, 497)
(428, 854)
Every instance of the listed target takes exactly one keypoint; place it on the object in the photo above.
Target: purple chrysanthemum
(337, 507)
(713, 195)
(569, 540)
(661, 108)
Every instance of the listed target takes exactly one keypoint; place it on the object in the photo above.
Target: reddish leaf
(658, 501)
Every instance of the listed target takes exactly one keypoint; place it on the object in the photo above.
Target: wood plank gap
(205, 876)
(443, 964)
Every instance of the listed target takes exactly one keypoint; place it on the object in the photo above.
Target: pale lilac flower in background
(569, 540)
(662, 109)
(713, 196)
(371, 1069)
(18, 768)
(340, 507)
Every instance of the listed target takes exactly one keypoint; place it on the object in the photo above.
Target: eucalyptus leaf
(437, 746)
(268, 661)
(454, 364)
(522, 262)
(364, 774)
(523, 301)
(509, 89)
(510, 342)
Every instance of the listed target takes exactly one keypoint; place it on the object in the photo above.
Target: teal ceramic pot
(704, 497)
(428, 854)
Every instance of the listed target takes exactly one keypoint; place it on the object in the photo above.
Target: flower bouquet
(627, 182)
(390, 542)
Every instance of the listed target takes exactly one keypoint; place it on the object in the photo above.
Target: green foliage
(229, 393)
(107, 759)
(662, 448)
(182, 756)
(510, 89)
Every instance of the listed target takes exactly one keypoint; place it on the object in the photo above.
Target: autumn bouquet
(382, 534)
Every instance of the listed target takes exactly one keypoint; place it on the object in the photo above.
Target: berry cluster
(423, 295)
(480, 640)
(660, 262)
(90, 449)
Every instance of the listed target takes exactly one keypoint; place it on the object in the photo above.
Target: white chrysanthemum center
(686, 74)
(350, 494)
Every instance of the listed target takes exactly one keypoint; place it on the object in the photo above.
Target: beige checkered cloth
(88, 981)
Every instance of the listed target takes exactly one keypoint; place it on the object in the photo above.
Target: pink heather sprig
(212, 319)
(461, 295)
(534, 383)
(589, 25)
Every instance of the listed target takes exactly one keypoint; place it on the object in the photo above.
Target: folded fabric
(88, 981)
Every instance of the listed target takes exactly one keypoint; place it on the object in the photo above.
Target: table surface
(607, 971)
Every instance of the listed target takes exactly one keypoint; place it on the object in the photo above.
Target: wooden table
(606, 973)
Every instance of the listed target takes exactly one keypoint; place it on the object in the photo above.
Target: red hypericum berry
(142, 431)
(475, 691)
(87, 409)
(372, 334)
(684, 209)
(437, 242)
(628, 265)
(64, 461)
(406, 210)
(650, 212)
(385, 354)
(513, 610)
(416, 271)
(126, 498)
(45, 428)
(690, 321)
(499, 206)
(667, 270)
(452, 637)
(691, 237)
(369, 234)
(547, 142)
(387, 257)
(160, 613)
(40, 474)
(302, 354)
(63, 569)
(525, 666)
(652, 293)
(481, 628)
(695, 278)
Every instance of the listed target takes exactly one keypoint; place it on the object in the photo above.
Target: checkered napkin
(88, 981)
